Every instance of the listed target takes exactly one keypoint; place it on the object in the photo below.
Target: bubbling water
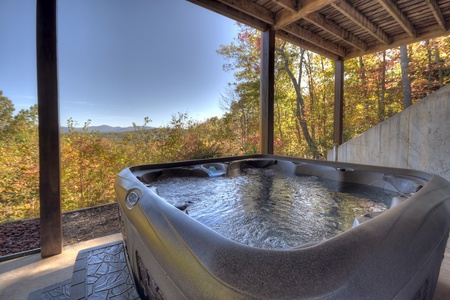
(265, 208)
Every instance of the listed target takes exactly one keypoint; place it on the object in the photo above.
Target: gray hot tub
(392, 254)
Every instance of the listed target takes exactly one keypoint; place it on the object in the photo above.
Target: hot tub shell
(396, 255)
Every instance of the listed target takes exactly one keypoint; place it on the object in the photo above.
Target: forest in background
(376, 86)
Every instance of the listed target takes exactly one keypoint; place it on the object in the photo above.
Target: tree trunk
(439, 63)
(430, 68)
(365, 88)
(312, 97)
(381, 98)
(406, 81)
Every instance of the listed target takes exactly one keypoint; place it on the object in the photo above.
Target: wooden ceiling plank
(358, 18)
(306, 45)
(285, 17)
(290, 5)
(231, 13)
(311, 37)
(252, 9)
(437, 13)
(329, 26)
(399, 17)
(402, 39)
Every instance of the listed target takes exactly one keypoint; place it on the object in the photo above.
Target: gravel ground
(79, 225)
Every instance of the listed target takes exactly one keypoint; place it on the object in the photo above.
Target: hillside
(101, 128)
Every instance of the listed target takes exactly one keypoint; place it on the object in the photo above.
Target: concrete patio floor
(19, 277)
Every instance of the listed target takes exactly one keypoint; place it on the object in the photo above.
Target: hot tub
(390, 253)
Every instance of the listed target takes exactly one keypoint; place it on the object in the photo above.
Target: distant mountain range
(102, 128)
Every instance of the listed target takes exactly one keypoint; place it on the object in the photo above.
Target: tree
(6, 114)
(429, 66)
(382, 89)
(242, 97)
(19, 165)
(300, 111)
(89, 165)
(239, 121)
(294, 108)
(406, 82)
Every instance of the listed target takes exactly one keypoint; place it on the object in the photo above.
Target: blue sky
(121, 60)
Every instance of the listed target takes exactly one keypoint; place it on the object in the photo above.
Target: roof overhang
(341, 29)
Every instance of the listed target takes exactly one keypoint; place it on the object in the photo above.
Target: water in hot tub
(265, 208)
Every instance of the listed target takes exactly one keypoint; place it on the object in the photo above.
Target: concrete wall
(417, 138)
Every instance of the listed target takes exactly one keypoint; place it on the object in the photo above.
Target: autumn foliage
(91, 160)
(304, 99)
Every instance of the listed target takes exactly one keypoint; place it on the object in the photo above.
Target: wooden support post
(267, 91)
(48, 111)
(338, 102)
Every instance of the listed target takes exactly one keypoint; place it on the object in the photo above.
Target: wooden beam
(399, 17)
(306, 45)
(311, 37)
(332, 28)
(48, 112)
(231, 13)
(338, 102)
(437, 13)
(252, 9)
(290, 5)
(358, 18)
(306, 7)
(267, 91)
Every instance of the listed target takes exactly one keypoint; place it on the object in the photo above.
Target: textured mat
(57, 291)
(99, 273)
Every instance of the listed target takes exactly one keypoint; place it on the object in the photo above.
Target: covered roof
(341, 29)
